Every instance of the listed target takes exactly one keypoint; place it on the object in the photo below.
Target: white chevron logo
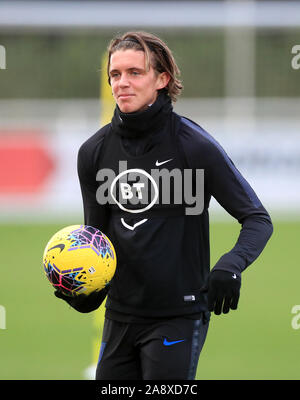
(132, 228)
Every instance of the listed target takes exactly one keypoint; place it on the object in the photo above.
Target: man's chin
(127, 110)
(131, 108)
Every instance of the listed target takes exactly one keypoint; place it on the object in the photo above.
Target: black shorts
(168, 349)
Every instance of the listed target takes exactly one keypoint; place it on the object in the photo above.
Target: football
(79, 259)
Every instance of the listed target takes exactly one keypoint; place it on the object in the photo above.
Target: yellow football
(79, 259)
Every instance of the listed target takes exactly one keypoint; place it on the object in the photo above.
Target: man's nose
(123, 80)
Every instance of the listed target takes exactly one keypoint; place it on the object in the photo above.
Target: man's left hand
(223, 289)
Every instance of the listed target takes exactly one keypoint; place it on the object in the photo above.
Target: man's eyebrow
(113, 70)
(128, 69)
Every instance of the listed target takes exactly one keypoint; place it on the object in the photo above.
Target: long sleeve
(95, 215)
(237, 197)
(226, 184)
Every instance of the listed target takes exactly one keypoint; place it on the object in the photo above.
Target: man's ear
(163, 80)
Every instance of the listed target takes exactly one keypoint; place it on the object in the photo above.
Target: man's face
(134, 87)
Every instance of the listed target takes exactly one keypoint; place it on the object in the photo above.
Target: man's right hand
(84, 303)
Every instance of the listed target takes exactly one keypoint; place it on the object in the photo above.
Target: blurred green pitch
(46, 339)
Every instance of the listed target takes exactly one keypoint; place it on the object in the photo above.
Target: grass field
(45, 339)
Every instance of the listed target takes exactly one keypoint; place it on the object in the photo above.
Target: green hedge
(67, 65)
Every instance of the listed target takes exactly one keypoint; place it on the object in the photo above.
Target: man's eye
(135, 73)
(114, 74)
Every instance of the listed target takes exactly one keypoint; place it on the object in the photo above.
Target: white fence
(70, 15)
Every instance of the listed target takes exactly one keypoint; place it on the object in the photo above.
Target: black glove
(223, 288)
(84, 303)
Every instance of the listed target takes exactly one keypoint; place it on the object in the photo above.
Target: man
(159, 301)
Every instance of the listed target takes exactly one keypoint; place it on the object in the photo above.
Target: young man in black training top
(138, 176)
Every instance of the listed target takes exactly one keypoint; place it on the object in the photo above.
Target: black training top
(162, 243)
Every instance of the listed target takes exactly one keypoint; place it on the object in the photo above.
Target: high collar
(141, 123)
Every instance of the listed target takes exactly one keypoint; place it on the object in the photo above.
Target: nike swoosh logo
(159, 163)
(60, 246)
(167, 343)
